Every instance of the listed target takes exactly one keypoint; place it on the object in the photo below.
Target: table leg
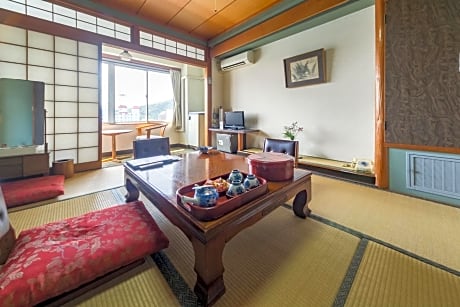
(114, 147)
(209, 268)
(241, 141)
(300, 205)
(132, 193)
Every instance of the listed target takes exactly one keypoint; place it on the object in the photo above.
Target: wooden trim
(301, 12)
(381, 153)
(137, 63)
(154, 52)
(44, 26)
(99, 106)
(87, 166)
(135, 35)
(451, 150)
(208, 103)
(135, 28)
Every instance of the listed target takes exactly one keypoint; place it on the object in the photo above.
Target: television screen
(234, 120)
(22, 114)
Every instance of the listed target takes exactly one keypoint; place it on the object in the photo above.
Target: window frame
(111, 86)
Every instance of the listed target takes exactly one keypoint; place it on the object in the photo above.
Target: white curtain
(178, 108)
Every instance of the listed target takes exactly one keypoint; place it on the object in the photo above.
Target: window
(55, 13)
(161, 43)
(135, 94)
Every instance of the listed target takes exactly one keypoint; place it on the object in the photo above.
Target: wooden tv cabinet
(24, 166)
(240, 132)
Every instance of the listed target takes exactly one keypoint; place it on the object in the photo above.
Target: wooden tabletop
(115, 131)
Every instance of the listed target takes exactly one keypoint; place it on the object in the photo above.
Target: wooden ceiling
(204, 19)
(227, 27)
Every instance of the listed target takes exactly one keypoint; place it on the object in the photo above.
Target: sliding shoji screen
(70, 72)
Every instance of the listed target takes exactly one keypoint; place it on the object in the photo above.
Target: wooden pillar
(208, 103)
(381, 152)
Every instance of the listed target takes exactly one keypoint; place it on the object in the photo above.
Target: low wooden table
(208, 239)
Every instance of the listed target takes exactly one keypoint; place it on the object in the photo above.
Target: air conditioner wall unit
(238, 60)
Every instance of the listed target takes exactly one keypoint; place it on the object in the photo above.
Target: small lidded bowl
(235, 175)
(235, 188)
(251, 182)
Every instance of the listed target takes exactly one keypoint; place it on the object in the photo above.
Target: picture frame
(305, 69)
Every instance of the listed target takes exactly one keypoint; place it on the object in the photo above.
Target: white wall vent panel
(434, 174)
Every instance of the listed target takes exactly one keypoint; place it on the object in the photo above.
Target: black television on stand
(234, 120)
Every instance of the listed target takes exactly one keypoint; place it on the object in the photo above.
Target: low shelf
(241, 133)
(333, 168)
(20, 166)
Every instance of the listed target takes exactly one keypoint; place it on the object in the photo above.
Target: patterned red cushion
(32, 190)
(58, 257)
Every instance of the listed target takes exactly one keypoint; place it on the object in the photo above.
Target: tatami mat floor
(421, 235)
(425, 228)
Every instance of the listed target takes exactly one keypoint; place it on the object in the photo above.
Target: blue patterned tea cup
(251, 182)
(235, 188)
(235, 175)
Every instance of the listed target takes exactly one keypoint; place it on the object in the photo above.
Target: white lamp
(125, 56)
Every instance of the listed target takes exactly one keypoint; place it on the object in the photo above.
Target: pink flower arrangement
(291, 131)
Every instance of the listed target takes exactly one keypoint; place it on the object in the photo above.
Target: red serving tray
(224, 204)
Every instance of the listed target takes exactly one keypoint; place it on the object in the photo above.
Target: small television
(234, 120)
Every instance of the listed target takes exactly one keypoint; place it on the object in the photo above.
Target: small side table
(113, 134)
(241, 135)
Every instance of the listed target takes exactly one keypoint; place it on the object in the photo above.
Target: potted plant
(292, 130)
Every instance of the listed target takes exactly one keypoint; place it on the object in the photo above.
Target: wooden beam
(381, 153)
(44, 26)
(208, 103)
(301, 12)
(450, 150)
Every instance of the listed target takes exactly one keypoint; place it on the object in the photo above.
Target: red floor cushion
(31, 190)
(58, 257)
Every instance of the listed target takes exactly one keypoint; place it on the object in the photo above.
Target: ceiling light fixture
(125, 56)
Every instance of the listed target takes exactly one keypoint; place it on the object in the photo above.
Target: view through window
(135, 94)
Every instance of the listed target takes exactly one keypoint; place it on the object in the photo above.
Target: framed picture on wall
(305, 69)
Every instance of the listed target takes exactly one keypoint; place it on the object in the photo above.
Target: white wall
(337, 116)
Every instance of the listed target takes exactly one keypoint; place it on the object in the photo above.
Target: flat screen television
(22, 113)
(234, 120)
